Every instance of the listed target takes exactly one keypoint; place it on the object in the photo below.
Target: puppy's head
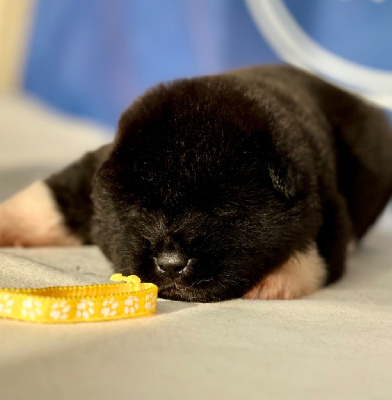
(195, 196)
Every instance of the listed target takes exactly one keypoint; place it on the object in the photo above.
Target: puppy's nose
(171, 263)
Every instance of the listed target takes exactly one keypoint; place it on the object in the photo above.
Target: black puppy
(249, 183)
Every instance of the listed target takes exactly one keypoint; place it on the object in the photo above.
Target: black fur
(234, 172)
(71, 189)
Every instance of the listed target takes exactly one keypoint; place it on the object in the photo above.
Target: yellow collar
(81, 303)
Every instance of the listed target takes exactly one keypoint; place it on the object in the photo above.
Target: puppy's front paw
(31, 218)
(301, 275)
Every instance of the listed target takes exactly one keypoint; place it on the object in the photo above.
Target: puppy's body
(246, 183)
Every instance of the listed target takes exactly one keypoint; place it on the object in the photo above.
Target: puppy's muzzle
(172, 264)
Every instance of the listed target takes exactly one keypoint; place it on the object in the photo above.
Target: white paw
(85, 309)
(109, 308)
(131, 305)
(301, 275)
(60, 310)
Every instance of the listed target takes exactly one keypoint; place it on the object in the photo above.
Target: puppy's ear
(56, 211)
(285, 178)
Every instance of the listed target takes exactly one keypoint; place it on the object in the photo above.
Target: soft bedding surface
(335, 344)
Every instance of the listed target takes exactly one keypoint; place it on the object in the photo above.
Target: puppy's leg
(56, 211)
(323, 262)
(32, 218)
(301, 275)
(334, 237)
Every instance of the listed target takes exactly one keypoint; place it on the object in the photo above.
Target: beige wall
(15, 24)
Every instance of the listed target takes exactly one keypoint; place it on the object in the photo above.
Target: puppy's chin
(197, 293)
(198, 289)
(176, 291)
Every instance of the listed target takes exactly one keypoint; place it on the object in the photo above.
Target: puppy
(247, 184)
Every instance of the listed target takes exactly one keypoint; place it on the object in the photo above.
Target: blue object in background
(357, 30)
(93, 57)
(345, 41)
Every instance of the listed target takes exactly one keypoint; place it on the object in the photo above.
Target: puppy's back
(360, 135)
